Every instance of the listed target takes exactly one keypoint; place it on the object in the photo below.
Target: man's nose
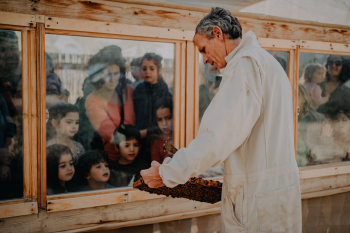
(205, 59)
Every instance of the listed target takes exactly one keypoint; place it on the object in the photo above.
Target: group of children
(71, 168)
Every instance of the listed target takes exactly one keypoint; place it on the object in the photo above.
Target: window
(324, 110)
(110, 106)
(11, 123)
(282, 57)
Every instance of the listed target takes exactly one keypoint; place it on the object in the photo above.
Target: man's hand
(151, 176)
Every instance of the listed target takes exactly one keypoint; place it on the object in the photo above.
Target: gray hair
(223, 19)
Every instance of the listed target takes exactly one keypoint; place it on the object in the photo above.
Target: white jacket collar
(248, 40)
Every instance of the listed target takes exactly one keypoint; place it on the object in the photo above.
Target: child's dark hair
(166, 102)
(53, 156)
(126, 133)
(157, 61)
(85, 162)
(57, 112)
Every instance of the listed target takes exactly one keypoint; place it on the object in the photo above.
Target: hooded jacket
(248, 126)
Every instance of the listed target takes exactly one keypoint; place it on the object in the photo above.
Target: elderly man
(248, 126)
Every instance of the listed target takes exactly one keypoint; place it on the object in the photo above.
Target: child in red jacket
(164, 118)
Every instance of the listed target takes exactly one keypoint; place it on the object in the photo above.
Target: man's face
(213, 50)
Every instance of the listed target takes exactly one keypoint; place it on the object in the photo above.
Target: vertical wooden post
(34, 115)
(296, 93)
(183, 95)
(41, 96)
(177, 96)
(190, 95)
(196, 91)
(26, 117)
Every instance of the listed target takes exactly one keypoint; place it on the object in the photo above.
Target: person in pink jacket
(248, 126)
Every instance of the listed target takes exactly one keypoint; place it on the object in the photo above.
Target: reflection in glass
(110, 103)
(11, 133)
(282, 58)
(324, 109)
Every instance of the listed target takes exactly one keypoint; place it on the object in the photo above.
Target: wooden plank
(167, 218)
(324, 183)
(117, 28)
(277, 43)
(296, 97)
(10, 202)
(327, 52)
(34, 116)
(15, 19)
(142, 196)
(177, 95)
(325, 193)
(86, 202)
(326, 46)
(190, 76)
(196, 91)
(7, 211)
(41, 97)
(26, 116)
(322, 172)
(183, 95)
(99, 216)
(90, 193)
(323, 166)
(186, 18)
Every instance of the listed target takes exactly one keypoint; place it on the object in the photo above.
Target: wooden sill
(13, 210)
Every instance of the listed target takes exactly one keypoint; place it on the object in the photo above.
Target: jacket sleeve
(225, 125)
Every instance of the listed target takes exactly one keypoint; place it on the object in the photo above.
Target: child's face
(165, 121)
(318, 76)
(69, 125)
(66, 168)
(99, 172)
(149, 71)
(341, 126)
(129, 150)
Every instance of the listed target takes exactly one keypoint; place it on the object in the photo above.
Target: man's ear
(218, 33)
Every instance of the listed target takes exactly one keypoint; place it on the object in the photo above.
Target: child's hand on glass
(326, 131)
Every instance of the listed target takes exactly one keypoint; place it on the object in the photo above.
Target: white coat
(248, 126)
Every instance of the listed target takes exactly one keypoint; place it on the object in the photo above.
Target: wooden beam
(325, 46)
(117, 28)
(33, 116)
(325, 193)
(86, 202)
(7, 211)
(15, 19)
(322, 172)
(183, 96)
(167, 16)
(190, 95)
(277, 43)
(166, 218)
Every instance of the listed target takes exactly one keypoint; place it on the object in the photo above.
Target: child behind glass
(93, 171)
(127, 168)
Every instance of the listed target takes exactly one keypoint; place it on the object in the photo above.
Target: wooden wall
(157, 14)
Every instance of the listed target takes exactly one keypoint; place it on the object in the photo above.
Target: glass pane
(324, 109)
(209, 82)
(282, 58)
(11, 133)
(110, 110)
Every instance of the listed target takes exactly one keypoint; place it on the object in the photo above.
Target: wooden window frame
(186, 91)
(59, 26)
(28, 203)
